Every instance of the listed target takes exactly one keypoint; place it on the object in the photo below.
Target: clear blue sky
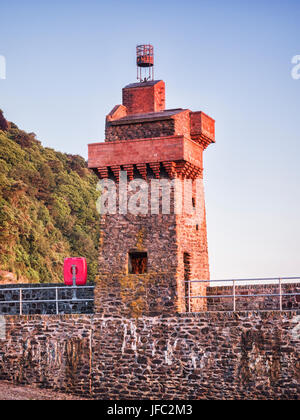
(68, 60)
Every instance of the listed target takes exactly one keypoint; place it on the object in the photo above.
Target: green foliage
(47, 209)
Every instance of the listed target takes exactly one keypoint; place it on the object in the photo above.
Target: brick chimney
(141, 98)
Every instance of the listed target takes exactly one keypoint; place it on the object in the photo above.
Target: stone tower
(146, 258)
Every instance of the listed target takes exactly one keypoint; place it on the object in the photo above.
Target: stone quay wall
(209, 355)
(32, 292)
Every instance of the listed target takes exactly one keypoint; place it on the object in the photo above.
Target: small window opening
(137, 262)
(197, 227)
(194, 202)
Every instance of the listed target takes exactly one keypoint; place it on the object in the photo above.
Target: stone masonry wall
(48, 352)
(144, 130)
(166, 238)
(153, 293)
(197, 356)
(192, 241)
(32, 292)
(178, 124)
(261, 303)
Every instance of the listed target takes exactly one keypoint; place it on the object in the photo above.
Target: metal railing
(21, 301)
(275, 280)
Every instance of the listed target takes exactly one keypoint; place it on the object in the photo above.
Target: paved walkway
(9, 391)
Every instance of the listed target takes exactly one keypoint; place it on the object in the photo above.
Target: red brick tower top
(163, 134)
(177, 135)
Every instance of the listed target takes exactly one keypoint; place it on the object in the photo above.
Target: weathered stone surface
(140, 130)
(47, 351)
(33, 293)
(249, 355)
(258, 302)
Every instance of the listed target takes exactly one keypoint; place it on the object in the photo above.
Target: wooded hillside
(47, 208)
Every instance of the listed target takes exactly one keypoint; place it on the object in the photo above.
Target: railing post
(234, 298)
(189, 295)
(21, 303)
(74, 282)
(280, 295)
(56, 300)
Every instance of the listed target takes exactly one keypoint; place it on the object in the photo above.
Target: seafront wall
(209, 355)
